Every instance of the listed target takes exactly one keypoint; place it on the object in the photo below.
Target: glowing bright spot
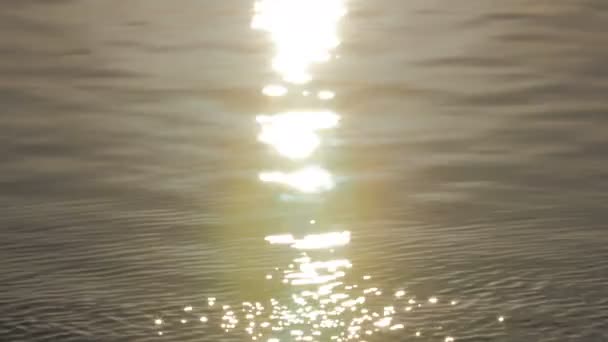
(399, 293)
(433, 300)
(280, 239)
(397, 327)
(204, 319)
(296, 333)
(183, 321)
(501, 319)
(326, 95)
(418, 333)
(449, 339)
(303, 32)
(274, 90)
(308, 180)
(322, 241)
(384, 322)
(294, 134)
(158, 321)
(188, 308)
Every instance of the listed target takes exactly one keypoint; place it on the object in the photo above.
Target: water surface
(422, 170)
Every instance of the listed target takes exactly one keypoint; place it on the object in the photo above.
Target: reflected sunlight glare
(312, 241)
(274, 90)
(311, 179)
(294, 134)
(321, 300)
(303, 32)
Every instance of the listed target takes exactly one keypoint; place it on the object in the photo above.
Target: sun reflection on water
(303, 32)
(295, 134)
(316, 293)
(312, 241)
(316, 297)
(312, 179)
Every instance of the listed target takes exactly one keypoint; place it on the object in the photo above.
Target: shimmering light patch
(383, 322)
(274, 90)
(433, 300)
(322, 241)
(326, 95)
(311, 242)
(158, 321)
(188, 308)
(304, 33)
(321, 302)
(295, 134)
(296, 333)
(280, 239)
(501, 319)
(312, 179)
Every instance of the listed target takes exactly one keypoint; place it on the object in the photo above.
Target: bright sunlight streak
(304, 33)
(312, 179)
(294, 134)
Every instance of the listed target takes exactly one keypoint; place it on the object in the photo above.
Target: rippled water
(304, 170)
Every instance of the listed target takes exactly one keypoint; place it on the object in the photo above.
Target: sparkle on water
(312, 241)
(326, 95)
(274, 90)
(303, 32)
(318, 297)
(312, 179)
(324, 302)
(295, 134)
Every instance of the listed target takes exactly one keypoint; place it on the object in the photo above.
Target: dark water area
(463, 196)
